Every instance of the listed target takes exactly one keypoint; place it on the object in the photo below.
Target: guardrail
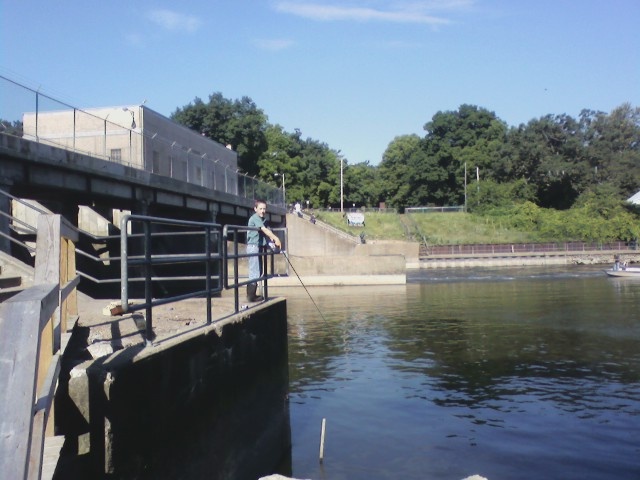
(521, 248)
(142, 259)
(336, 231)
(185, 162)
(232, 235)
(210, 257)
(447, 209)
(33, 324)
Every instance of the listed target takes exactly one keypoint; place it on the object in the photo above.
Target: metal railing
(523, 248)
(33, 322)
(209, 259)
(153, 251)
(361, 209)
(330, 228)
(133, 146)
(232, 236)
(446, 209)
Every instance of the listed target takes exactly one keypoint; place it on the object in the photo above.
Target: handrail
(31, 327)
(231, 235)
(521, 248)
(225, 176)
(332, 229)
(148, 261)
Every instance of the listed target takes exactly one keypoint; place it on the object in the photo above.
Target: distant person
(312, 218)
(298, 209)
(256, 240)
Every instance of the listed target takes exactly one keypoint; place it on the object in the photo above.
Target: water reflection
(413, 376)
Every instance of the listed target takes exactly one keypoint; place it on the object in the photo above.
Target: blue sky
(351, 73)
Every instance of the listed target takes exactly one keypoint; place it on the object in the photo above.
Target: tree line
(466, 157)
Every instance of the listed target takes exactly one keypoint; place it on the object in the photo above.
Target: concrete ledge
(337, 280)
(518, 259)
(211, 403)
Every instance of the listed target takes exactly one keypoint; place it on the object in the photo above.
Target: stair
(14, 276)
(51, 455)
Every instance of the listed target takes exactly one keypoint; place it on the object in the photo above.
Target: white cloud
(274, 45)
(134, 39)
(175, 21)
(419, 12)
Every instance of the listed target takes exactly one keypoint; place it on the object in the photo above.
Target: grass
(430, 228)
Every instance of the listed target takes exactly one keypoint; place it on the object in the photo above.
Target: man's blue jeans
(254, 262)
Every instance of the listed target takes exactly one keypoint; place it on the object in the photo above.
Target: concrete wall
(208, 404)
(308, 239)
(317, 252)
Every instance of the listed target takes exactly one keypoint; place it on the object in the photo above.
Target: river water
(508, 373)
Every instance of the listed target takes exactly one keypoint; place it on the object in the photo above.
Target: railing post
(124, 270)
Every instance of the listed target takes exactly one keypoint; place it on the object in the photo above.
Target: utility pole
(341, 185)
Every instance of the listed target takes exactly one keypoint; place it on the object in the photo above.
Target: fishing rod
(302, 283)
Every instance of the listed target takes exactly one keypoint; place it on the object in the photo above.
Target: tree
(408, 176)
(549, 153)
(488, 195)
(470, 136)
(363, 185)
(11, 128)
(309, 166)
(238, 123)
(613, 147)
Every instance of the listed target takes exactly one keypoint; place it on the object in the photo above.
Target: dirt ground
(111, 330)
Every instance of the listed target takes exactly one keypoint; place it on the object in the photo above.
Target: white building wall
(139, 137)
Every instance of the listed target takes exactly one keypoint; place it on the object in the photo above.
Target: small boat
(623, 271)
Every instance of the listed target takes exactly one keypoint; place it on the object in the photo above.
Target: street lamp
(284, 200)
(133, 120)
(341, 184)
(133, 125)
(105, 135)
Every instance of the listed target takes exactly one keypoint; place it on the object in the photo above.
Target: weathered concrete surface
(344, 270)
(209, 401)
(321, 257)
(312, 240)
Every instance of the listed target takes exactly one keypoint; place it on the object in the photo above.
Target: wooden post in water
(324, 422)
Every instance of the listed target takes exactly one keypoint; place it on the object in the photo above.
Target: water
(508, 373)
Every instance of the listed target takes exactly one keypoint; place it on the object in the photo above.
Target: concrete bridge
(64, 180)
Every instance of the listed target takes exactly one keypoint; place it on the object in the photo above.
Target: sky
(353, 74)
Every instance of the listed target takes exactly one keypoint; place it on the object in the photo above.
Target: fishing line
(302, 283)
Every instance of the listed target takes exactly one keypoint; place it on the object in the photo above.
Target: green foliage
(378, 226)
(489, 194)
(596, 218)
(555, 177)
(407, 174)
(239, 123)
(310, 168)
(11, 128)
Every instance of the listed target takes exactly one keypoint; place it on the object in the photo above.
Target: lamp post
(133, 120)
(133, 125)
(284, 197)
(341, 185)
(105, 135)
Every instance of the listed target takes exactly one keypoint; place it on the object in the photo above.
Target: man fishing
(258, 236)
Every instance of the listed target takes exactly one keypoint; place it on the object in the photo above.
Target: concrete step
(51, 456)
(8, 281)
(6, 293)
